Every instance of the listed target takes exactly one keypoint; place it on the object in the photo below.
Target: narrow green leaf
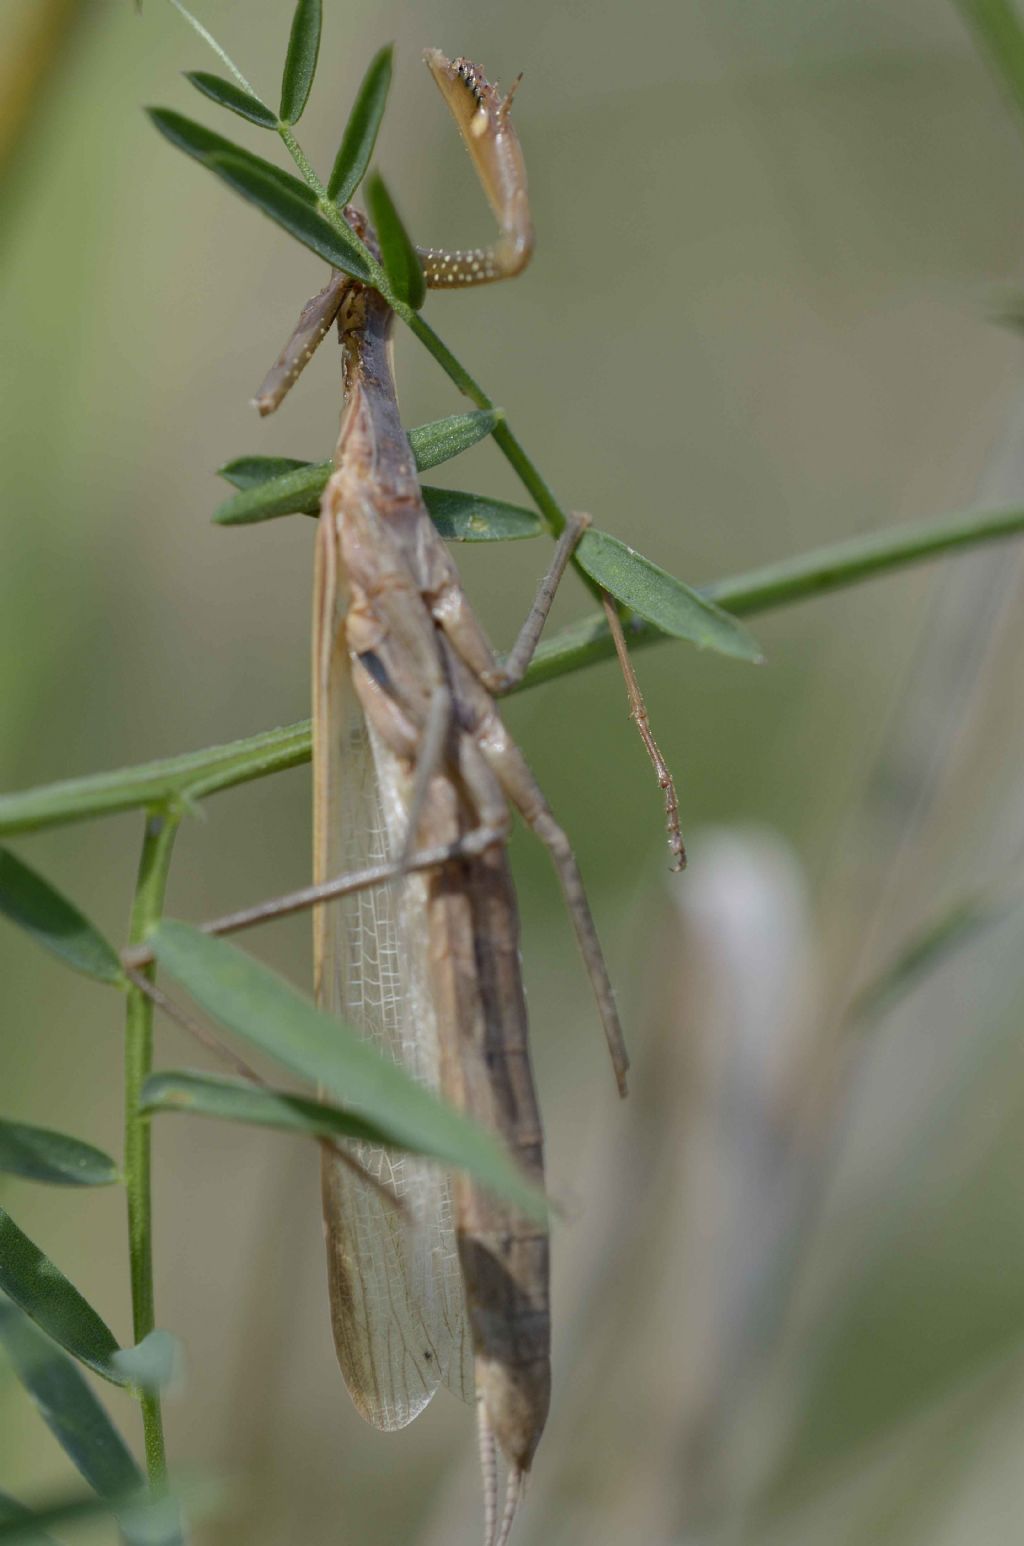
(31, 902)
(360, 135)
(300, 61)
(68, 1405)
(227, 94)
(39, 1154)
(199, 142)
(446, 438)
(237, 1100)
(661, 598)
(295, 491)
(250, 471)
(58, 1309)
(475, 518)
(291, 212)
(44, 1293)
(260, 1006)
(398, 255)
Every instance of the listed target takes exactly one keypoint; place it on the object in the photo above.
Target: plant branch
(147, 906)
(184, 779)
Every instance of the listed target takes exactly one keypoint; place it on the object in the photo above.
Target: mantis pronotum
(410, 754)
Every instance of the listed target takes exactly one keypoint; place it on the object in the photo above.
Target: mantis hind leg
(510, 768)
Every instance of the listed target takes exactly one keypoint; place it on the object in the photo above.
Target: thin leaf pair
(296, 81)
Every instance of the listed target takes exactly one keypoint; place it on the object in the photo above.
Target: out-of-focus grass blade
(942, 937)
(360, 134)
(398, 255)
(18, 1523)
(227, 94)
(202, 144)
(300, 60)
(68, 1406)
(143, 1520)
(291, 212)
(662, 599)
(57, 1308)
(463, 517)
(999, 32)
(267, 1011)
(237, 1100)
(40, 1154)
(54, 922)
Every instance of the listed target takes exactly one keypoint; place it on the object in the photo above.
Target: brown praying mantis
(409, 753)
(416, 932)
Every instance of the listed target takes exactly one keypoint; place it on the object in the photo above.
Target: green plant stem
(157, 845)
(301, 160)
(512, 448)
(187, 778)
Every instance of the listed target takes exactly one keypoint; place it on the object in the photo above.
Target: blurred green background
(789, 1284)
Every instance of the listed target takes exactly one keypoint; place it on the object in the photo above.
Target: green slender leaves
(398, 255)
(68, 1406)
(39, 1154)
(360, 135)
(432, 444)
(54, 922)
(300, 61)
(203, 145)
(661, 598)
(264, 1009)
(238, 1100)
(292, 213)
(293, 489)
(463, 517)
(459, 517)
(247, 472)
(444, 439)
(272, 486)
(227, 94)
